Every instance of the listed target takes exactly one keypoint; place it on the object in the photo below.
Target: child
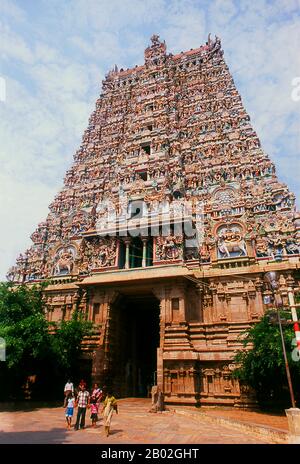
(94, 411)
(69, 403)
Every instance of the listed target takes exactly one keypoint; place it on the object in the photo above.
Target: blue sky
(55, 53)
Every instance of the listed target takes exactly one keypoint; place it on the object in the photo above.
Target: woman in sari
(109, 406)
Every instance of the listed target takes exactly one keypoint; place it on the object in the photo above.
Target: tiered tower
(167, 221)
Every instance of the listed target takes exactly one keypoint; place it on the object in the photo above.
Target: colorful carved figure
(64, 261)
(169, 248)
(292, 247)
(230, 241)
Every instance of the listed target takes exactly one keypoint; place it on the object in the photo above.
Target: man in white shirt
(69, 387)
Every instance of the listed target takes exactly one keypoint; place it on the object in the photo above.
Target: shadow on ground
(28, 405)
(51, 436)
(115, 431)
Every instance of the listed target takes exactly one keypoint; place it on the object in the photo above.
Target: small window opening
(146, 149)
(143, 175)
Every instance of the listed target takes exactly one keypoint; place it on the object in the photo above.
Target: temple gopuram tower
(168, 220)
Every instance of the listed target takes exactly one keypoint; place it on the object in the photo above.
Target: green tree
(66, 341)
(33, 345)
(261, 363)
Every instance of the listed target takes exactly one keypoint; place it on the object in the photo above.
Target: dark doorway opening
(134, 343)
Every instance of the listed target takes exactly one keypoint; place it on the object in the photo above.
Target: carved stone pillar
(253, 314)
(213, 289)
(159, 293)
(103, 357)
(181, 379)
(144, 261)
(127, 255)
(207, 307)
(258, 283)
(200, 292)
(182, 302)
(90, 298)
(217, 380)
(167, 381)
(227, 384)
(222, 316)
(191, 380)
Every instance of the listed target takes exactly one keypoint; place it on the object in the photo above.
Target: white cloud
(46, 54)
(22, 206)
(12, 46)
(178, 36)
(11, 10)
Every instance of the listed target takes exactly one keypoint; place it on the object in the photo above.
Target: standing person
(82, 401)
(70, 403)
(109, 406)
(94, 411)
(82, 383)
(96, 393)
(69, 388)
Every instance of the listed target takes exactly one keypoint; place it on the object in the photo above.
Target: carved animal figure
(292, 248)
(230, 242)
(64, 262)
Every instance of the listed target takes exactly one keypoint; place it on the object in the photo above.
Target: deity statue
(169, 247)
(261, 247)
(204, 253)
(106, 254)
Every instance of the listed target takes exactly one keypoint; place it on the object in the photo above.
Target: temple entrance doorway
(134, 343)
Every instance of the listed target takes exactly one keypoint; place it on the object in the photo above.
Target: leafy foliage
(66, 341)
(261, 362)
(33, 345)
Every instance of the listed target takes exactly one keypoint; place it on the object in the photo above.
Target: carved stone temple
(168, 219)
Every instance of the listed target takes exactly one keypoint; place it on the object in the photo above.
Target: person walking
(109, 406)
(82, 401)
(70, 403)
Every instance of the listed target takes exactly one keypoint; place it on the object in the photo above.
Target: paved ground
(134, 424)
(278, 421)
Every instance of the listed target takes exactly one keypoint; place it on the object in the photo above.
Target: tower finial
(155, 39)
(156, 51)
